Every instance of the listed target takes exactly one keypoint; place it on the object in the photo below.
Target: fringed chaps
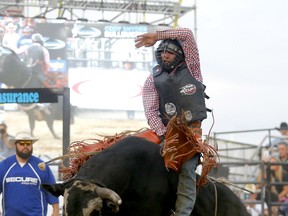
(182, 143)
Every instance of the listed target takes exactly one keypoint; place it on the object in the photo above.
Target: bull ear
(55, 189)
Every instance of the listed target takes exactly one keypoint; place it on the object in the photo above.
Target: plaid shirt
(150, 95)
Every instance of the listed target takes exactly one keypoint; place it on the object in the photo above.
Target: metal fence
(240, 162)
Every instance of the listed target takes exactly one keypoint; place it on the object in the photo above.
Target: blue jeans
(186, 191)
(284, 208)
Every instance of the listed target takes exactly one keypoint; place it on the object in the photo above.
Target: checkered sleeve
(151, 107)
(186, 37)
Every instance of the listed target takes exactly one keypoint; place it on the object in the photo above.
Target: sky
(243, 47)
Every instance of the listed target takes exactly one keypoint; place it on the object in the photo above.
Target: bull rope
(227, 182)
(223, 181)
(216, 196)
(42, 165)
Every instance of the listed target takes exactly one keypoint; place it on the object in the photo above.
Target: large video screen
(98, 61)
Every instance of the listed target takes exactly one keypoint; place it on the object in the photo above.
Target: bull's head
(85, 198)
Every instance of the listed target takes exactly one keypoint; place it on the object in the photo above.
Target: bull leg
(51, 128)
(49, 121)
(31, 119)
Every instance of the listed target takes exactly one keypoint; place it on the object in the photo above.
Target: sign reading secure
(27, 95)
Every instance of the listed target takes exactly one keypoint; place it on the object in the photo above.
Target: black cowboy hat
(283, 126)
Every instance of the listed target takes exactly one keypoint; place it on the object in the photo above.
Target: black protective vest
(36, 60)
(35, 57)
(180, 93)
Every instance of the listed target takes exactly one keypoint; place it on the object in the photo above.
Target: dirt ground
(87, 125)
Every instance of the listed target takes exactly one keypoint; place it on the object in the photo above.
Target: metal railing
(264, 184)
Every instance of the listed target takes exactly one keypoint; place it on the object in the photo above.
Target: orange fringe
(178, 136)
(182, 144)
(80, 151)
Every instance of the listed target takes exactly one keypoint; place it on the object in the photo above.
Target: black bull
(134, 169)
(13, 72)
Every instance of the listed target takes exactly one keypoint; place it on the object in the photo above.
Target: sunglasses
(25, 142)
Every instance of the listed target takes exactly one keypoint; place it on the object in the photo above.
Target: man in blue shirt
(21, 180)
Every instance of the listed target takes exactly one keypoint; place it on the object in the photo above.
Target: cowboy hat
(250, 187)
(283, 126)
(22, 136)
(11, 26)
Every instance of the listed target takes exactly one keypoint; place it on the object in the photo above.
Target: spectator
(25, 38)
(11, 37)
(21, 179)
(278, 174)
(255, 209)
(269, 192)
(24, 42)
(30, 22)
(283, 129)
(283, 154)
(7, 149)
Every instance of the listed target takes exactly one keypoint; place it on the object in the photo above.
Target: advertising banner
(35, 95)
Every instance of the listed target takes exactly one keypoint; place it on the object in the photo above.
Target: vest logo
(170, 109)
(188, 89)
(19, 97)
(188, 115)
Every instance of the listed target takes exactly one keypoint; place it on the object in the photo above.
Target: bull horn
(106, 193)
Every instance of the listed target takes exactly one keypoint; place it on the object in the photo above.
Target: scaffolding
(164, 12)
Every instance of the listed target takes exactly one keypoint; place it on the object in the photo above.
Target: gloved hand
(161, 138)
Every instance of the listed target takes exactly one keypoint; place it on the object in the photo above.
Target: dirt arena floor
(87, 125)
